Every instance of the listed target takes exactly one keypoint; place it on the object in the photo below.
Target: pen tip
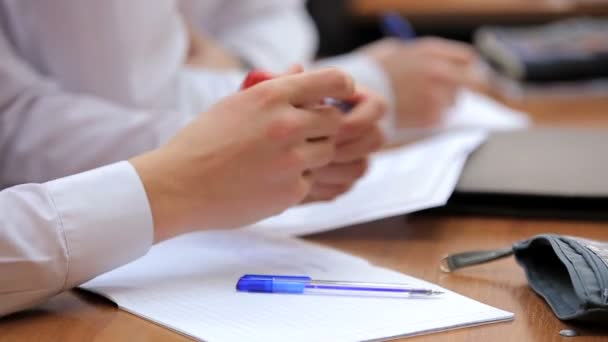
(436, 292)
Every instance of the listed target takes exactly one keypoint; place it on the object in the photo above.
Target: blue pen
(306, 285)
(395, 25)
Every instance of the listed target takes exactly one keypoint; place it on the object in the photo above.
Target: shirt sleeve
(47, 132)
(275, 34)
(268, 34)
(130, 52)
(57, 235)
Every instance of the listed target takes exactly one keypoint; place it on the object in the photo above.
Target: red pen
(258, 76)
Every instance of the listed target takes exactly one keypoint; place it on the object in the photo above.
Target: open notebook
(188, 284)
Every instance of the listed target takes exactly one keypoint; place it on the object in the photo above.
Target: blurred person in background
(419, 78)
(185, 54)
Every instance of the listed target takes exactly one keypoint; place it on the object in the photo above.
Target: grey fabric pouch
(570, 273)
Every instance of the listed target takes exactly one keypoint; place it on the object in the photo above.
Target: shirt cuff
(106, 219)
(370, 74)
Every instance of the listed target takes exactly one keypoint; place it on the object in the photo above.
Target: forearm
(48, 134)
(57, 235)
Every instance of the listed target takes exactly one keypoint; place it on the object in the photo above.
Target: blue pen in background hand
(306, 285)
(395, 25)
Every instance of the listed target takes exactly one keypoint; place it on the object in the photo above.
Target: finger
(315, 154)
(321, 121)
(305, 185)
(312, 87)
(361, 148)
(299, 125)
(294, 69)
(344, 173)
(363, 117)
(454, 51)
(326, 192)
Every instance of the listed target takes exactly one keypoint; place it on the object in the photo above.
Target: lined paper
(188, 284)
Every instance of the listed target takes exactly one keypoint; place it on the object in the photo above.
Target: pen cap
(272, 284)
(254, 77)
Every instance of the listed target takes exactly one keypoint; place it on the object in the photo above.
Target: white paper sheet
(476, 111)
(415, 177)
(472, 111)
(188, 284)
(399, 181)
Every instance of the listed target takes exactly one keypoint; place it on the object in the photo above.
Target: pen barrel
(272, 284)
(361, 288)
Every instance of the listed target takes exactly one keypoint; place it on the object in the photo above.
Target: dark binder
(549, 173)
(569, 50)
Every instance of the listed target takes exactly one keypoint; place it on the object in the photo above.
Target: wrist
(161, 193)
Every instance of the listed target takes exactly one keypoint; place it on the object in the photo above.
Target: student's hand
(359, 136)
(248, 157)
(426, 75)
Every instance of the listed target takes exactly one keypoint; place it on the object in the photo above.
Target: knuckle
(269, 94)
(293, 161)
(435, 71)
(340, 80)
(328, 153)
(351, 126)
(284, 127)
(300, 190)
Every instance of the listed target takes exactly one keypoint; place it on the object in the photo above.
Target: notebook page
(472, 111)
(187, 284)
(399, 181)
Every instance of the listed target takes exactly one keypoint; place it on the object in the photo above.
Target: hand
(248, 158)
(358, 137)
(426, 75)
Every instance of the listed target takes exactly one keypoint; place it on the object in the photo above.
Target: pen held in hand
(307, 285)
(258, 76)
(393, 24)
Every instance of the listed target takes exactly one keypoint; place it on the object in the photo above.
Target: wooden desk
(412, 245)
(479, 11)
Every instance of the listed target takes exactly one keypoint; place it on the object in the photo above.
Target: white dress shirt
(127, 57)
(132, 52)
(48, 131)
(56, 235)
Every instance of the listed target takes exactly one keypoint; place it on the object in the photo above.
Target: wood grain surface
(413, 245)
